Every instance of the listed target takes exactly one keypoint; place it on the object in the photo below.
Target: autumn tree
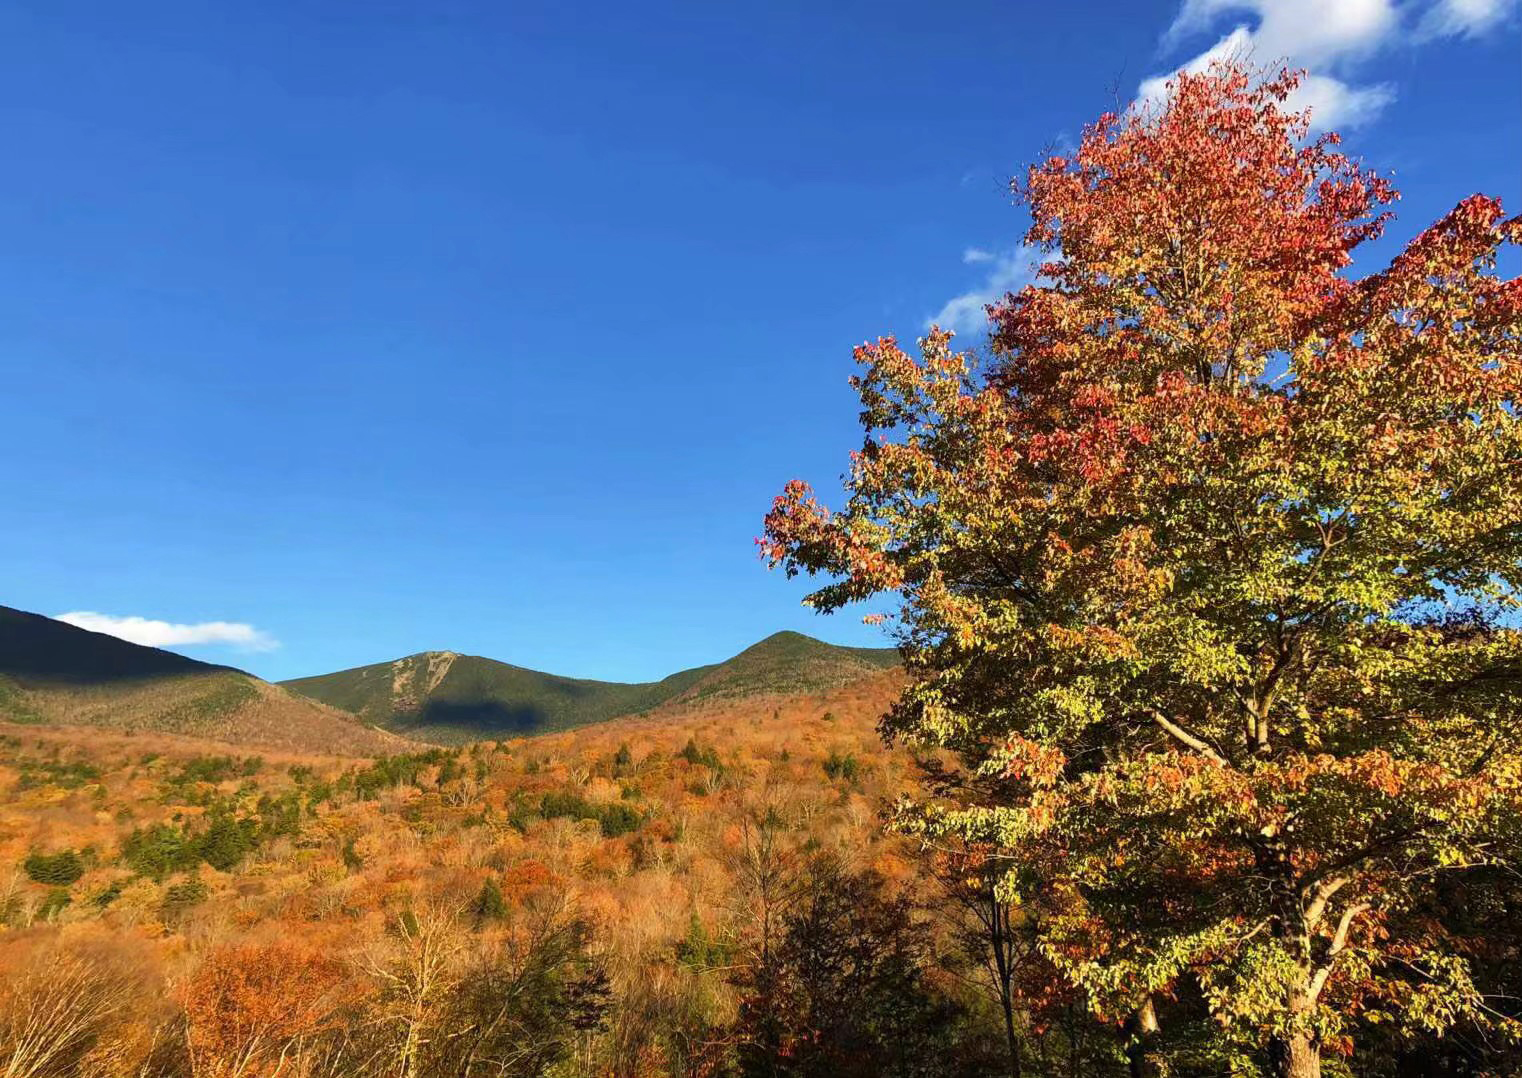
(250, 1009)
(1207, 563)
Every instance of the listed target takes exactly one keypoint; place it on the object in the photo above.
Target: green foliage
(216, 769)
(845, 767)
(618, 818)
(226, 842)
(61, 868)
(520, 813)
(405, 769)
(489, 904)
(530, 1010)
(698, 756)
(181, 896)
(68, 775)
(614, 819)
(159, 851)
(53, 903)
(164, 849)
(279, 815)
(698, 951)
(846, 993)
(319, 793)
(566, 803)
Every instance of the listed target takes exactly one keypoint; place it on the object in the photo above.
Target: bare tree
(766, 870)
(416, 968)
(52, 1013)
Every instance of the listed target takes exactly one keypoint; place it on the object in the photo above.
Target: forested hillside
(448, 698)
(668, 895)
(52, 673)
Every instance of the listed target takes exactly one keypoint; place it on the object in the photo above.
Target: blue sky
(332, 331)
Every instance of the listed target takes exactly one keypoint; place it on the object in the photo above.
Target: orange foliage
(247, 1008)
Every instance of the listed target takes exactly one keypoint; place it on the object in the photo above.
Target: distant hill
(447, 697)
(786, 664)
(54, 673)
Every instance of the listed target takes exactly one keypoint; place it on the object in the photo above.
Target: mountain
(54, 673)
(447, 697)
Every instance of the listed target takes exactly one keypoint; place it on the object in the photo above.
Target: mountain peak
(447, 696)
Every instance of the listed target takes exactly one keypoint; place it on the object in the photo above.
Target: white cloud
(1314, 33)
(1009, 271)
(1463, 18)
(1327, 38)
(1235, 46)
(167, 634)
(1334, 103)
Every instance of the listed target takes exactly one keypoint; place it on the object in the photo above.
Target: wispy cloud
(1464, 18)
(1008, 271)
(1329, 39)
(167, 634)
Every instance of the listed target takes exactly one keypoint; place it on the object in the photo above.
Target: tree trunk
(1143, 1029)
(999, 938)
(1295, 1056)
(1012, 1041)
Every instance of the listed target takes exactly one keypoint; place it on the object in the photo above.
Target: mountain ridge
(56, 674)
(451, 696)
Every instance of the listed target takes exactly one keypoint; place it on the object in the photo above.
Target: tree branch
(1323, 895)
(1339, 942)
(1184, 737)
